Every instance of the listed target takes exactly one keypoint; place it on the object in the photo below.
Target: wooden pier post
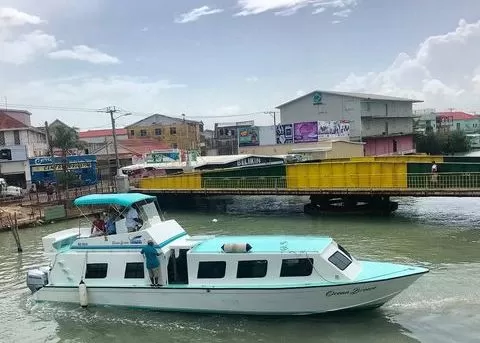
(15, 232)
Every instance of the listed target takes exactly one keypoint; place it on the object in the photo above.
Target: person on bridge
(434, 172)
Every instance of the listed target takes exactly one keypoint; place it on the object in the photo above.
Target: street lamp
(117, 161)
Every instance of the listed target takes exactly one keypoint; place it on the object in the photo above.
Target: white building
(18, 142)
(384, 123)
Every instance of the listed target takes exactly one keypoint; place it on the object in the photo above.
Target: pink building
(392, 145)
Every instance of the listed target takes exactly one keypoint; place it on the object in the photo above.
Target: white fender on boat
(82, 293)
(236, 247)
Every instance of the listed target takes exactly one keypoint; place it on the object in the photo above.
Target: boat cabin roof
(121, 199)
(266, 244)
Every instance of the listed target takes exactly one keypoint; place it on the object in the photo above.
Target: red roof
(101, 133)
(457, 115)
(7, 122)
(140, 146)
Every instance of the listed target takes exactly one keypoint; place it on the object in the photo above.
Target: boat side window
(296, 267)
(211, 270)
(339, 260)
(96, 271)
(134, 270)
(252, 269)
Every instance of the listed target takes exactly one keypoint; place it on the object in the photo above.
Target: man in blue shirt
(153, 265)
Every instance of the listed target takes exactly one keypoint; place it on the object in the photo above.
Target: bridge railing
(391, 181)
(353, 181)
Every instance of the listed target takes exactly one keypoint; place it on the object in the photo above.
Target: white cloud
(336, 22)
(196, 13)
(251, 79)
(319, 10)
(84, 53)
(445, 71)
(343, 13)
(25, 48)
(300, 92)
(13, 17)
(145, 29)
(289, 7)
(83, 91)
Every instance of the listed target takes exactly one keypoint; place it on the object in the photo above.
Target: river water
(442, 306)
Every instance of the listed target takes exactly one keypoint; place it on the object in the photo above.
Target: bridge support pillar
(354, 204)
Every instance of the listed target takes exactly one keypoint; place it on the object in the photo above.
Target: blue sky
(226, 58)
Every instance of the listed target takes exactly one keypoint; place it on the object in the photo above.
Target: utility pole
(111, 110)
(274, 114)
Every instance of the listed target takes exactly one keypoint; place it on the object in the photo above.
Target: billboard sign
(331, 129)
(305, 132)
(284, 134)
(248, 136)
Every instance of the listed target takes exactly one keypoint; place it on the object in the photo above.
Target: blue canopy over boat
(121, 199)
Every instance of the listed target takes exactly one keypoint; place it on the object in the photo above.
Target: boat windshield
(149, 213)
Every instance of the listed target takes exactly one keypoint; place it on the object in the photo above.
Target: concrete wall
(385, 145)
(387, 109)
(186, 136)
(339, 149)
(335, 107)
(35, 142)
(366, 118)
(377, 126)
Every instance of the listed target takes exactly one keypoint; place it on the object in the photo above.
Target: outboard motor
(37, 278)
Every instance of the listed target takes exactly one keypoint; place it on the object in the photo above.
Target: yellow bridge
(374, 176)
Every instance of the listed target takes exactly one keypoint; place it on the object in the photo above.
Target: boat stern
(37, 278)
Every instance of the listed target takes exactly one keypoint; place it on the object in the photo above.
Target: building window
(158, 132)
(395, 147)
(174, 145)
(16, 137)
(143, 133)
(252, 269)
(134, 270)
(2, 138)
(96, 271)
(211, 270)
(173, 130)
(296, 267)
(386, 128)
(220, 132)
(339, 260)
(132, 132)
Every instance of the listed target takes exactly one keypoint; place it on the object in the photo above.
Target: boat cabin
(190, 261)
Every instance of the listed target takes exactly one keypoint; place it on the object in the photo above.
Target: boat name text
(350, 292)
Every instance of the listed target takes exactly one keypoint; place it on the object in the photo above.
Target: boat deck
(266, 244)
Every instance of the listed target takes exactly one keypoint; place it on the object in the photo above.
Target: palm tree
(65, 138)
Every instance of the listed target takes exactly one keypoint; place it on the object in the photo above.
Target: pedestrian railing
(398, 181)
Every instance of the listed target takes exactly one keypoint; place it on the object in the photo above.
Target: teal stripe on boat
(129, 246)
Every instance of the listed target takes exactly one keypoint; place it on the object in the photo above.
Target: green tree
(65, 138)
(442, 143)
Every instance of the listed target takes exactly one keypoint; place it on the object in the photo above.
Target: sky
(230, 60)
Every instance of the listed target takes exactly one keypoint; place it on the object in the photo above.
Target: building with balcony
(177, 133)
(19, 141)
(383, 123)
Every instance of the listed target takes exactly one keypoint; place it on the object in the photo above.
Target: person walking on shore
(153, 265)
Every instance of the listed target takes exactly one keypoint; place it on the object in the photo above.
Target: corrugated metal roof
(161, 120)
(458, 115)
(364, 96)
(101, 133)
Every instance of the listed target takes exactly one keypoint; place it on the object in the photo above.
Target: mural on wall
(285, 134)
(330, 129)
(248, 136)
(162, 156)
(305, 132)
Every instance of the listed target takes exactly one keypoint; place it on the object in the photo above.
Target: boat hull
(304, 300)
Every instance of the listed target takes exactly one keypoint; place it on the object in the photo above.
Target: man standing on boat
(153, 265)
(132, 220)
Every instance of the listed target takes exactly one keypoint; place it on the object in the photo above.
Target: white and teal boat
(261, 275)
